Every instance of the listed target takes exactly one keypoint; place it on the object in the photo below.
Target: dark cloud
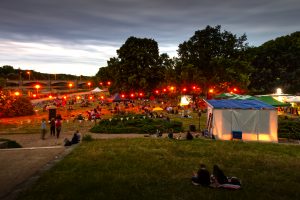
(170, 21)
(77, 24)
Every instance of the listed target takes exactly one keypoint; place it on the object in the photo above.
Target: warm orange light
(28, 72)
(50, 96)
(108, 82)
(194, 87)
(101, 83)
(141, 94)
(34, 95)
(78, 97)
(132, 95)
(234, 89)
(91, 98)
(164, 90)
(156, 91)
(102, 97)
(123, 95)
(37, 86)
(89, 83)
(17, 93)
(184, 89)
(211, 90)
(172, 88)
(70, 85)
(65, 97)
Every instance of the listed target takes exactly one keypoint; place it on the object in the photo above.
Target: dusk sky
(79, 36)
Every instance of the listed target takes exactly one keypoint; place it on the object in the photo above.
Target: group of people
(55, 127)
(216, 179)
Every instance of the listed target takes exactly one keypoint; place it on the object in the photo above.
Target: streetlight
(37, 89)
(70, 85)
(28, 72)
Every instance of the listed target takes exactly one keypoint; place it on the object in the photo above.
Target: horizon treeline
(211, 58)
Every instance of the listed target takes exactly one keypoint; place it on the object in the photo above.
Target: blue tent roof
(239, 104)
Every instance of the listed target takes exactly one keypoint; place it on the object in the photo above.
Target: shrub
(289, 128)
(135, 124)
(87, 138)
(11, 143)
(11, 106)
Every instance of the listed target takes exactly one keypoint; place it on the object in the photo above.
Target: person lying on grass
(202, 177)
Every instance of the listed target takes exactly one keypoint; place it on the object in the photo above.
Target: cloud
(100, 27)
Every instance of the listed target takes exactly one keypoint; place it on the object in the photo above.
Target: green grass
(151, 168)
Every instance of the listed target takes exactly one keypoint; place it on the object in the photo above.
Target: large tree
(277, 64)
(137, 66)
(212, 57)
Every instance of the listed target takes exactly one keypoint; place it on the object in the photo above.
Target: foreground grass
(151, 168)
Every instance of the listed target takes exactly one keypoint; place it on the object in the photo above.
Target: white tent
(97, 90)
(185, 100)
(250, 120)
(293, 99)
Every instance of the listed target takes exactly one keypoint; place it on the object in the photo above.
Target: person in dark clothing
(189, 136)
(52, 127)
(202, 177)
(219, 176)
(76, 138)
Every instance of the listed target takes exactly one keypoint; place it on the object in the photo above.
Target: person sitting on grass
(202, 177)
(219, 180)
(75, 139)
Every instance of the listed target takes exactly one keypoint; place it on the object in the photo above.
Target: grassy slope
(151, 168)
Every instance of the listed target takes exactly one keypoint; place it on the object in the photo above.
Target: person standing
(43, 128)
(52, 127)
(58, 127)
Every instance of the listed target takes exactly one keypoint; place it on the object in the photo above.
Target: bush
(11, 106)
(87, 138)
(135, 124)
(11, 143)
(289, 128)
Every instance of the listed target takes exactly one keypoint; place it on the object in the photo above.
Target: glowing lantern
(108, 82)
(184, 89)
(194, 87)
(156, 91)
(171, 88)
(17, 93)
(101, 83)
(131, 95)
(65, 97)
(211, 90)
(102, 97)
(78, 97)
(50, 96)
(164, 90)
(123, 95)
(34, 95)
(234, 89)
(141, 94)
(90, 97)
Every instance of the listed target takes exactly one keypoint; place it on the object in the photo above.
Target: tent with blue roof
(250, 120)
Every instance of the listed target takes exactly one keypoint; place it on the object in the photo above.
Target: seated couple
(216, 180)
(75, 139)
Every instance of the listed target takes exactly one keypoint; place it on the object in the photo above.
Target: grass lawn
(153, 168)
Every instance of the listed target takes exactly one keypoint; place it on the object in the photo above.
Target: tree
(11, 106)
(276, 64)
(211, 57)
(137, 66)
